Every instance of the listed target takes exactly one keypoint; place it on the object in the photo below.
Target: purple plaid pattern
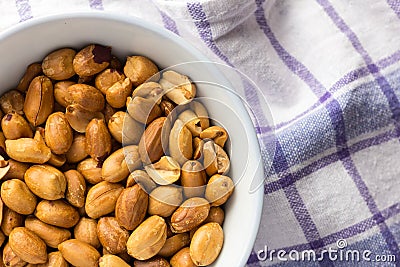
(24, 9)
(347, 79)
(287, 179)
(169, 23)
(299, 209)
(395, 5)
(96, 4)
(394, 105)
(204, 29)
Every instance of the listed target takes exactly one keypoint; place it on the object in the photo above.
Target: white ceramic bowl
(30, 41)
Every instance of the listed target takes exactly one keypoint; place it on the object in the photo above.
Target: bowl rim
(107, 15)
(246, 245)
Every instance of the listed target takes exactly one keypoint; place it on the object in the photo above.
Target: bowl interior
(31, 41)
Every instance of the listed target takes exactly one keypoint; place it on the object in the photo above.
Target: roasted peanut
(116, 167)
(217, 133)
(107, 78)
(108, 111)
(191, 121)
(143, 110)
(98, 140)
(164, 200)
(46, 182)
(124, 129)
(61, 95)
(165, 171)
(58, 133)
(16, 171)
(190, 214)
(91, 60)
(57, 213)
(91, 170)
(182, 259)
(149, 90)
(54, 259)
(143, 105)
(10, 258)
(57, 160)
(155, 261)
(178, 87)
(116, 95)
(151, 144)
(131, 207)
(139, 69)
(102, 198)
(86, 231)
(201, 112)
(143, 179)
(198, 145)
(75, 152)
(12, 101)
(11, 219)
(17, 196)
(58, 64)
(39, 135)
(51, 235)
(173, 244)
(110, 260)
(79, 253)
(4, 167)
(219, 189)
(123, 256)
(215, 159)
(39, 100)
(206, 244)
(167, 108)
(27, 245)
(76, 188)
(148, 238)
(180, 142)
(111, 235)
(79, 118)
(193, 179)
(15, 126)
(217, 215)
(89, 97)
(28, 150)
(132, 157)
(33, 70)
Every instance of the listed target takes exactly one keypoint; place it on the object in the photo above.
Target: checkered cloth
(331, 73)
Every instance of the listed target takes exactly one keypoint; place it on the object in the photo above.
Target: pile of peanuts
(109, 163)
